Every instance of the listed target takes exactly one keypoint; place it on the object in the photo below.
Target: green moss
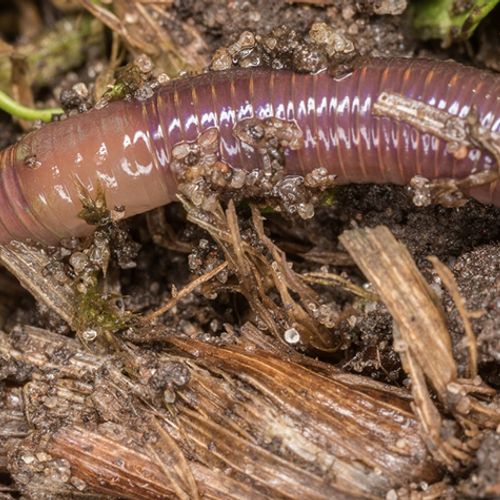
(328, 197)
(96, 312)
(95, 211)
(128, 80)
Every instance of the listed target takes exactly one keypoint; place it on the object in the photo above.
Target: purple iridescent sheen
(126, 147)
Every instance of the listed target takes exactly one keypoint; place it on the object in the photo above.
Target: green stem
(441, 19)
(14, 108)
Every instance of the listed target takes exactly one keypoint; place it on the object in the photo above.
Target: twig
(184, 292)
(450, 283)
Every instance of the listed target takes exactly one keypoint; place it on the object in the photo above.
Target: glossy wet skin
(127, 146)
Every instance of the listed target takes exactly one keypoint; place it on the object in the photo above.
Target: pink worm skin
(127, 146)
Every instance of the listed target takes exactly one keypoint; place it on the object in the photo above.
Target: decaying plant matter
(154, 413)
(206, 420)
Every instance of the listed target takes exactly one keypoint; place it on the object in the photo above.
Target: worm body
(127, 146)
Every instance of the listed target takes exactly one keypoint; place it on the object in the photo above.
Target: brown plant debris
(230, 421)
(422, 340)
(303, 324)
(141, 26)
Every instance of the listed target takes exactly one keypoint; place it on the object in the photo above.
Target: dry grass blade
(139, 476)
(330, 279)
(447, 277)
(410, 300)
(174, 464)
(421, 335)
(323, 256)
(252, 338)
(317, 333)
(260, 277)
(423, 342)
(28, 264)
(140, 27)
(184, 292)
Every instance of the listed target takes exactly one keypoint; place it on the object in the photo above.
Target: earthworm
(127, 146)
